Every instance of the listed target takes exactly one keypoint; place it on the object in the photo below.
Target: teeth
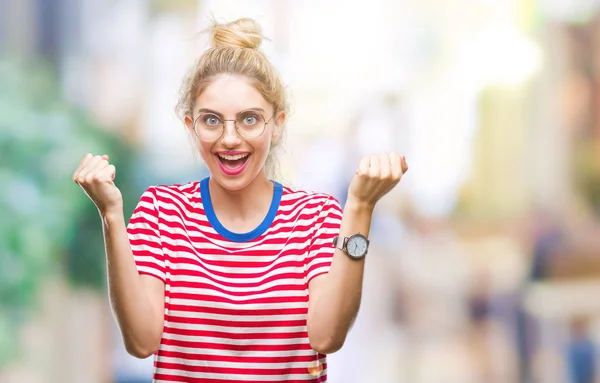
(233, 158)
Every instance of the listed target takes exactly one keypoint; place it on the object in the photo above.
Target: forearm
(338, 301)
(137, 318)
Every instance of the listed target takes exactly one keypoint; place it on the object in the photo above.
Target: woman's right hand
(96, 177)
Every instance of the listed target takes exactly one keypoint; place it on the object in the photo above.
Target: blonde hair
(235, 49)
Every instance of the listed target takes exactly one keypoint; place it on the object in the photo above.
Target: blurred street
(485, 260)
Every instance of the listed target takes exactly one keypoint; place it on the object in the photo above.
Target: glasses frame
(237, 130)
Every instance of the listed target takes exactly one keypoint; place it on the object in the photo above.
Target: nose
(230, 136)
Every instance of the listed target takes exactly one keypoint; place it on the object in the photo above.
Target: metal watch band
(339, 244)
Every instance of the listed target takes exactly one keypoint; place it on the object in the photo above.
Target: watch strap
(340, 242)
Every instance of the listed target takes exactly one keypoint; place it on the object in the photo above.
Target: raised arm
(334, 298)
(137, 300)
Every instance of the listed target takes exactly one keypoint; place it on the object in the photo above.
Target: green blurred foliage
(48, 226)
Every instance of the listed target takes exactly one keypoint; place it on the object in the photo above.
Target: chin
(232, 184)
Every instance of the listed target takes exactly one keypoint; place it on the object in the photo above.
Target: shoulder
(180, 189)
(165, 194)
(293, 196)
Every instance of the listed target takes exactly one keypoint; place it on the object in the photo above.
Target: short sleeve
(144, 237)
(321, 250)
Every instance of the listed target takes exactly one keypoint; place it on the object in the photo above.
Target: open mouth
(232, 164)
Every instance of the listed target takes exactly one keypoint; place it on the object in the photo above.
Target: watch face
(357, 246)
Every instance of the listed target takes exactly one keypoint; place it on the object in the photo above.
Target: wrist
(358, 206)
(111, 215)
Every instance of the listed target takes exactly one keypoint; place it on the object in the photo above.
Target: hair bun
(241, 33)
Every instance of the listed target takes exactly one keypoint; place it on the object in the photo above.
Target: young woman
(236, 277)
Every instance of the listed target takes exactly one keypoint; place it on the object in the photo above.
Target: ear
(278, 127)
(189, 123)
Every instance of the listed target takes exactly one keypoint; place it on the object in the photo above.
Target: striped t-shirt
(235, 303)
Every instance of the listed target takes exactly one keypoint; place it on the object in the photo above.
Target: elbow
(325, 337)
(142, 339)
(141, 351)
(327, 344)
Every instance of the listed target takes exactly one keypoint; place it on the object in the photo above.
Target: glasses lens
(250, 125)
(208, 127)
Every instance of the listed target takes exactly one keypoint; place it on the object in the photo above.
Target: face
(234, 161)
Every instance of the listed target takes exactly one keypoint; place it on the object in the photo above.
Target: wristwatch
(356, 245)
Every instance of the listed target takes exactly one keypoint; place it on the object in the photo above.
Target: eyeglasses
(249, 125)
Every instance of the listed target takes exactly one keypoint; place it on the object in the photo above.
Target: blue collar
(240, 237)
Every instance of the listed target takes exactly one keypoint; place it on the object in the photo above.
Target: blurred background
(485, 263)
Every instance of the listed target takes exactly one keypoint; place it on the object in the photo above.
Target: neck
(244, 203)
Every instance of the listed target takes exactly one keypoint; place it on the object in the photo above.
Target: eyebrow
(206, 110)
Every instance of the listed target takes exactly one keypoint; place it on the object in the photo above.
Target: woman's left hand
(375, 177)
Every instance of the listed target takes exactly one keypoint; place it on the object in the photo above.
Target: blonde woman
(236, 277)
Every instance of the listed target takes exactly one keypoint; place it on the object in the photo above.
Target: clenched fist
(375, 177)
(96, 177)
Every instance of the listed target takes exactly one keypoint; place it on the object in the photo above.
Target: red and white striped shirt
(235, 304)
